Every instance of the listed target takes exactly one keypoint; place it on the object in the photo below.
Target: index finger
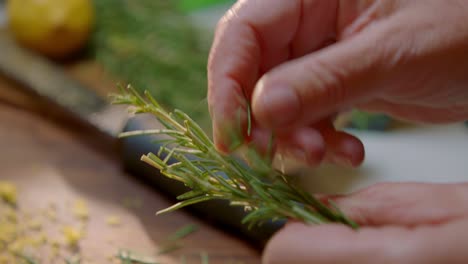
(246, 44)
(251, 39)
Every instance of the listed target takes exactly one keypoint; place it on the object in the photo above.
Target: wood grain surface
(51, 164)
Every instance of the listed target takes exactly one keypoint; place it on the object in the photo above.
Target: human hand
(400, 223)
(299, 62)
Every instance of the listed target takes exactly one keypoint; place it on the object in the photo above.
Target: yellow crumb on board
(54, 252)
(55, 244)
(54, 248)
(17, 246)
(8, 231)
(11, 215)
(110, 258)
(51, 213)
(6, 259)
(80, 209)
(113, 220)
(40, 240)
(35, 225)
(8, 192)
(77, 259)
(132, 202)
(52, 206)
(71, 235)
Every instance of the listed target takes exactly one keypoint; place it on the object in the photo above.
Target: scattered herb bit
(110, 258)
(35, 225)
(169, 248)
(128, 257)
(71, 235)
(8, 232)
(51, 212)
(113, 220)
(8, 192)
(55, 248)
(172, 243)
(11, 215)
(80, 209)
(211, 175)
(132, 203)
(183, 232)
(26, 259)
(73, 260)
(4, 259)
(42, 239)
(17, 246)
(204, 258)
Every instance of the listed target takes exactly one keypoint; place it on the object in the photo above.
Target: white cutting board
(423, 153)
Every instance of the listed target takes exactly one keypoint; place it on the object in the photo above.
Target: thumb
(406, 204)
(307, 89)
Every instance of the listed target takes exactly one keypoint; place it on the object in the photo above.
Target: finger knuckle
(330, 79)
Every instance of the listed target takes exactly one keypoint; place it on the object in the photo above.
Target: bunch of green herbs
(151, 43)
(266, 193)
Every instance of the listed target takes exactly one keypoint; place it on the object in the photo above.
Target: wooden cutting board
(51, 164)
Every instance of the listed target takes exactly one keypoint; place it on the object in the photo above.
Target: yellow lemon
(56, 28)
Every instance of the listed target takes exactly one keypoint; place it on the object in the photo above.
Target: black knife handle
(217, 212)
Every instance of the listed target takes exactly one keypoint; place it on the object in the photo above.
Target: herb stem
(266, 192)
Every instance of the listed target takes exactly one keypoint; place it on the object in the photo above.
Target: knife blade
(49, 83)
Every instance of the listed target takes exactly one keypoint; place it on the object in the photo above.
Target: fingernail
(277, 105)
(219, 140)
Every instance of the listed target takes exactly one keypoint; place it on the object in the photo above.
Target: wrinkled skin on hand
(299, 62)
(401, 223)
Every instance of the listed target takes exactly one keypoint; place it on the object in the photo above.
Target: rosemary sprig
(204, 258)
(173, 242)
(127, 257)
(169, 248)
(26, 259)
(73, 260)
(266, 192)
(183, 232)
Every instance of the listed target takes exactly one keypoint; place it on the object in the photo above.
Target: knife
(48, 83)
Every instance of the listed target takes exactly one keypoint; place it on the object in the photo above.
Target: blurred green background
(157, 45)
(153, 45)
